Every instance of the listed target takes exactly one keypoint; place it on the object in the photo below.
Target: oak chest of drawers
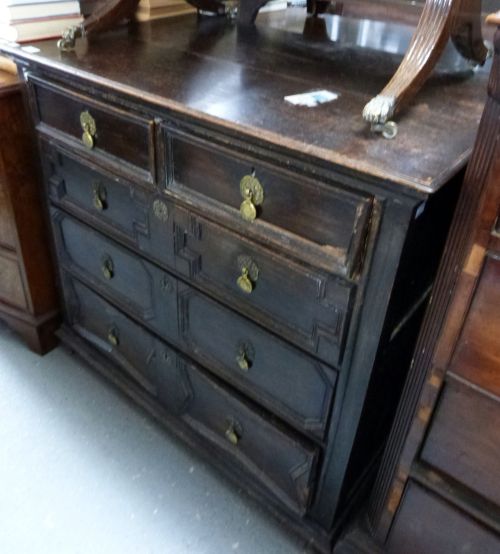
(252, 274)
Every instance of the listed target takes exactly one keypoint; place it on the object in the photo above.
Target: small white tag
(312, 99)
(30, 49)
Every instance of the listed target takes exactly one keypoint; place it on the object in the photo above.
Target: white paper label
(312, 99)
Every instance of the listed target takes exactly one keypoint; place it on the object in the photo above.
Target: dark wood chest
(252, 274)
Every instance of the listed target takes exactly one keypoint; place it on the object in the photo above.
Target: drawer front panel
(308, 306)
(333, 219)
(477, 354)
(144, 290)
(281, 378)
(464, 439)
(132, 214)
(426, 524)
(281, 462)
(73, 184)
(117, 133)
(11, 282)
(288, 382)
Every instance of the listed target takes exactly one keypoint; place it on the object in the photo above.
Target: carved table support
(440, 20)
(104, 16)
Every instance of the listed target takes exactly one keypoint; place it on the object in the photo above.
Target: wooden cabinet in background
(28, 301)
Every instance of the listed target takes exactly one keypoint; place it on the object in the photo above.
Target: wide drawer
(464, 438)
(288, 382)
(332, 220)
(96, 126)
(283, 463)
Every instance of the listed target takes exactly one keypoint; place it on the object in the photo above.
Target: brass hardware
(107, 268)
(113, 337)
(100, 195)
(233, 435)
(245, 353)
(253, 195)
(242, 360)
(69, 36)
(89, 129)
(249, 274)
(244, 281)
(160, 210)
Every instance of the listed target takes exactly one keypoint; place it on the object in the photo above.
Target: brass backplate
(251, 189)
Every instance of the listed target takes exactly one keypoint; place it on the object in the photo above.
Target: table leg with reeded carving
(440, 20)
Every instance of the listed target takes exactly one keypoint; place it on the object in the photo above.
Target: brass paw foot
(69, 36)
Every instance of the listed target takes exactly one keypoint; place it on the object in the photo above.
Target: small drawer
(280, 461)
(131, 214)
(280, 377)
(308, 306)
(276, 203)
(144, 290)
(464, 438)
(95, 126)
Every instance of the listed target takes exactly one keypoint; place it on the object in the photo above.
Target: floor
(83, 471)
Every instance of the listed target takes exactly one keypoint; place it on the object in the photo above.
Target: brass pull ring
(249, 274)
(89, 129)
(233, 433)
(253, 195)
(107, 268)
(100, 197)
(113, 336)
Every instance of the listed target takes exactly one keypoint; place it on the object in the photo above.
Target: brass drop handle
(107, 268)
(243, 361)
(249, 274)
(100, 197)
(244, 281)
(113, 337)
(89, 129)
(253, 195)
(232, 434)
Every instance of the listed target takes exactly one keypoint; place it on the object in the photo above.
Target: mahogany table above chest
(253, 273)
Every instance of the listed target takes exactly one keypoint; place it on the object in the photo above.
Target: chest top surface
(211, 70)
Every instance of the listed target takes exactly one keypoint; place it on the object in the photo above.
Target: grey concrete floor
(83, 471)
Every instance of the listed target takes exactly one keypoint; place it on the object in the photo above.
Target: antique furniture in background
(28, 300)
(252, 279)
(438, 489)
(440, 20)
